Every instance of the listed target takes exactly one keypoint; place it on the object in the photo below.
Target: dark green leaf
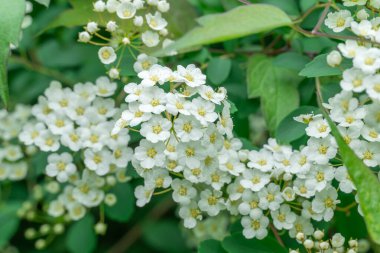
(211, 246)
(276, 87)
(237, 243)
(165, 236)
(125, 204)
(290, 130)
(251, 19)
(11, 16)
(9, 221)
(218, 70)
(81, 236)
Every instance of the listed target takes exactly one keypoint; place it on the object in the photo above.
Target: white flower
(156, 129)
(152, 100)
(363, 29)
(372, 86)
(250, 202)
(60, 166)
(150, 154)
(144, 62)
(12, 153)
(183, 191)
(138, 21)
(353, 80)
(133, 116)
(187, 128)
(99, 6)
(150, 39)
(354, 2)
(163, 6)
(345, 183)
(349, 48)
(203, 111)
(107, 55)
(47, 142)
(284, 218)
(191, 153)
(255, 226)
(156, 22)
(368, 60)
(301, 225)
(319, 177)
(369, 152)
(191, 75)
(254, 180)
(338, 21)
(211, 202)
(98, 161)
(270, 197)
(325, 202)
(261, 160)
(143, 195)
(177, 104)
(126, 10)
(155, 74)
(104, 87)
(190, 215)
(321, 150)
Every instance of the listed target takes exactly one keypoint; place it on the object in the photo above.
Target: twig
(136, 231)
(41, 69)
(245, 2)
(321, 18)
(278, 237)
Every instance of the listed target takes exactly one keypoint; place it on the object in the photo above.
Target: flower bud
(111, 26)
(362, 14)
(334, 58)
(30, 233)
(300, 236)
(58, 229)
(110, 199)
(324, 245)
(40, 244)
(114, 73)
(309, 244)
(100, 228)
(318, 234)
(337, 240)
(353, 243)
(99, 6)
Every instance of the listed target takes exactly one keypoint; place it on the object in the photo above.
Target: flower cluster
(316, 243)
(131, 24)
(74, 127)
(188, 148)
(13, 165)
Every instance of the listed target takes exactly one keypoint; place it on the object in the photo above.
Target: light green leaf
(80, 14)
(365, 181)
(81, 236)
(180, 10)
(237, 243)
(218, 70)
(319, 67)
(43, 2)
(9, 222)
(125, 205)
(236, 23)
(290, 130)
(275, 86)
(211, 246)
(11, 16)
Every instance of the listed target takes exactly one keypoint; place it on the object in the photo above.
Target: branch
(136, 231)
(245, 2)
(41, 69)
(276, 235)
(321, 18)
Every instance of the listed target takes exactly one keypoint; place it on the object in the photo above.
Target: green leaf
(366, 183)
(237, 243)
(319, 67)
(11, 16)
(218, 70)
(80, 14)
(43, 2)
(180, 10)
(125, 205)
(276, 87)
(165, 236)
(236, 23)
(9, 222)
(290, 130)
(211, 246)
(291, 60)
(81, 236)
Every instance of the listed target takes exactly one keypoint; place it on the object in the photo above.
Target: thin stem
(346, 208)
(162, 192)
(276, 235)
(321, 18)
(41, 69)
(245, 2)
